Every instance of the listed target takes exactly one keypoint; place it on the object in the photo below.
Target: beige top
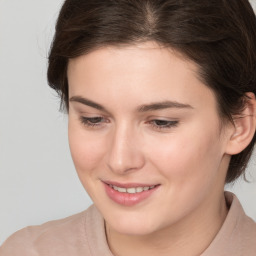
(83, 235)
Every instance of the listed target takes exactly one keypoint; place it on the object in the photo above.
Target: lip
(128, 185)
(127, 199)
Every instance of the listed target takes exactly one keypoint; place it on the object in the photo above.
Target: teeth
(122, 190)
(131, 190)
(139, 189)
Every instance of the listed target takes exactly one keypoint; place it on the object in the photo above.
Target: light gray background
(37, 179)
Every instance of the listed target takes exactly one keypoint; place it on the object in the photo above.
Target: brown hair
(218, 35)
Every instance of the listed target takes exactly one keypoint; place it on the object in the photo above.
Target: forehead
(141, 55)
(138, 73)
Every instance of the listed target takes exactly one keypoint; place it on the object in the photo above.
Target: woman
(161, 102)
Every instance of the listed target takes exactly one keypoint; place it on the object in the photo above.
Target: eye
(163, 124)
(96, 121)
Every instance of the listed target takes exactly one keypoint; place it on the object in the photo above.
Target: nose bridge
(124, 149)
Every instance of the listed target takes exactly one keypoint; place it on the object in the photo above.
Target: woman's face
(145, 137)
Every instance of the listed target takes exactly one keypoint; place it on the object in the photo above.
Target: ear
(244, 127)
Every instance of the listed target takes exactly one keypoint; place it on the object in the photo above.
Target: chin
(131, 223)
(133, 230)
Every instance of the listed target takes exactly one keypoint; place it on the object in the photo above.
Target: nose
(125, 152)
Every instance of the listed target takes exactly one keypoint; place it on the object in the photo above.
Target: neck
(191, 236)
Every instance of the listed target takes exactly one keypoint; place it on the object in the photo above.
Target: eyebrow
(87, 102)
(142, 108)
(163, 105)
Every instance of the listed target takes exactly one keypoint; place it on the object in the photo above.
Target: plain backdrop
(38, 181)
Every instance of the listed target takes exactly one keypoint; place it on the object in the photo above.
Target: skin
(187, 154)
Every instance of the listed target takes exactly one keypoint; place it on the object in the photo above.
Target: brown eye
(92, 121)
(163, 124)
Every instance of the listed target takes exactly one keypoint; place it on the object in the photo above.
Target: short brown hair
(218, 35)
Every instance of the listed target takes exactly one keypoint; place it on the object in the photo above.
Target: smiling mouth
(129, 194)
(131, 190)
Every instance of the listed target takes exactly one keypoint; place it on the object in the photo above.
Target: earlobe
(244, 127)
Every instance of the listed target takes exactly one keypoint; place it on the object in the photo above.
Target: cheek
(86, 150)
(187, 157)
(189, 166)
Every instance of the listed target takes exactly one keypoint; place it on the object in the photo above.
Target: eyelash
(97, 121)
(160, 124)
(92, 122)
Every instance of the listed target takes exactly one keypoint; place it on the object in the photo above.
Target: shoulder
(240, 228)
(246, 231)
(237, 235)
(59, 237)
(241, 221)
